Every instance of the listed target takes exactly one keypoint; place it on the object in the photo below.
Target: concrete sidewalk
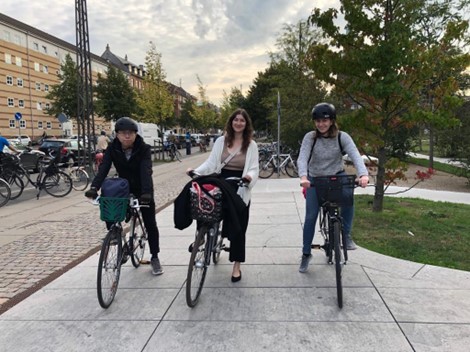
(389, 304)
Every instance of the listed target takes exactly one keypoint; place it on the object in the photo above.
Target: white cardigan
(213, 164)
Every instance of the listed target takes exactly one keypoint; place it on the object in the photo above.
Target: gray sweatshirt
(326, 156)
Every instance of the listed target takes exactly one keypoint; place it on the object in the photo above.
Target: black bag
(115, 187)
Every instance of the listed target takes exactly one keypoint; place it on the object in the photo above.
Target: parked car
(50, 147)
(30, 158)
(78, 156)
(24, 140)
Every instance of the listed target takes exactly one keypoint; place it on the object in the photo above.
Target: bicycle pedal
(316, 246)
(226, 249)
(145, 261)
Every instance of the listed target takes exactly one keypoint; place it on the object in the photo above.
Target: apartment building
(30, 60)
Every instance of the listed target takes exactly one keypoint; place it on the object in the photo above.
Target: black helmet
(125, 124)
(323, 111)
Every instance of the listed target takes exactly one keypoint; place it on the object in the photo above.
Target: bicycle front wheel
(80, 179)
(266, 169)
(338, 262)
(16, 186)
(197, 268)
(5, 192)
(178, 155)
(109, 268)
(291, 169)
(137, 241)
(58, 184)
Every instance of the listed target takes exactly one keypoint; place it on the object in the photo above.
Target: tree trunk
(380, 182)
(431, 147)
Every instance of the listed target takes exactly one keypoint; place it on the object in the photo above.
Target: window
(40, 125)
(19, 82)
(6, 36)
(9, 80)
(39, 105)
(18, 61)
(36, 66)
(11, 102)
(12, 123)
(49, 125)
(38, 86)
(7, 58)
(45, 69)
(36, 46)
(44, 49)
(48, 106)
(17, 39)
(22, 124)
(21, 103)
(46, 87)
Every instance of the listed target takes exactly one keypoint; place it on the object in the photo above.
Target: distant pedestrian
(102, 142)
(188, 143)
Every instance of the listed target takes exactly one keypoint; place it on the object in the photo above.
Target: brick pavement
(60, 237)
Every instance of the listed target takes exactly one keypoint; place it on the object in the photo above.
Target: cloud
(224, 42)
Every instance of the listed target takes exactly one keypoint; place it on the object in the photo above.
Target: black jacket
(232, 207)
(137, 170)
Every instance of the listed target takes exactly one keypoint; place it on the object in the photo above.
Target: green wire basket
(113, 209)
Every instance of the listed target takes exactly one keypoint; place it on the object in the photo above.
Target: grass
(436, 233)
(450, 169)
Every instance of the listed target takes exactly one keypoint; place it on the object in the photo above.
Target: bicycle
(286, 163)
(79, 177)
(118, 245)
(5, 192)
(332, 193)
(55, 182)
(173, 153)
(208, 244)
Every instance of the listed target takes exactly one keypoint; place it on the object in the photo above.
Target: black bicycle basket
(336, 190)
(205, 202)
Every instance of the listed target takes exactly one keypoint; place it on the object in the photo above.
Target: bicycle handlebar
(241, 181)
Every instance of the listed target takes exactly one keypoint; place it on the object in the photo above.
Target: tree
(378, 66)
(63, 96)
(231, 102)
(154, 101)
(115, 97)
(204, 114)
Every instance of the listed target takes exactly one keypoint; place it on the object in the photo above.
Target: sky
(224, 42)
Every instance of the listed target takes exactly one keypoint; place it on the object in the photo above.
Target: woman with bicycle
(321, 154)
(235, 155)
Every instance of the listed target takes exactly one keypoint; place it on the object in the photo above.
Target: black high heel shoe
(237, 278)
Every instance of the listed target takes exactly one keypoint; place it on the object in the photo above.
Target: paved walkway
(389, 304)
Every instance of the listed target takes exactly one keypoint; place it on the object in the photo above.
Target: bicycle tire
(22, 174)
(16, 186)
(291, 169)
(219, 245)
(80, 179)
(137, 241)
(58, 184)
(5, 192)
(197, 269)
(178, 155)
(109, 268)
(171, 155)
(266, 169)
(338, 262)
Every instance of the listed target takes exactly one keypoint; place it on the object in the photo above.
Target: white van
(151, 134)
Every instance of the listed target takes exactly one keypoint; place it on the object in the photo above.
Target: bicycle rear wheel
(5, 192)
(178, 155)
(338, 262)
(266, 169)
(80, 179)
(58, 184)
(16, 186)
(291, 169)
(197, 268)
(137, 241)
(109, 268)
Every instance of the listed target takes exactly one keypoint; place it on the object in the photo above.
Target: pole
(278, 133)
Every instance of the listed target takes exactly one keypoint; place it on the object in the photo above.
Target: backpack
(315, 141)
(115, 187)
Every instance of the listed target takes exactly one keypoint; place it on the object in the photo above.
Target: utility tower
(85, 118)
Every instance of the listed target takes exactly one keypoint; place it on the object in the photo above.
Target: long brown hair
(247, 132)
(332, 131)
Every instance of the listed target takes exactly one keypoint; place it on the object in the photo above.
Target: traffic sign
(18, 116)
(62, 117)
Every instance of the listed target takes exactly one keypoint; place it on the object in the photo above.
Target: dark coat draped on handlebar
(232, 206)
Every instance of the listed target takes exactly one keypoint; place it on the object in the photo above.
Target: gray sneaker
(156, 266)
(350, 245)
(304, 263)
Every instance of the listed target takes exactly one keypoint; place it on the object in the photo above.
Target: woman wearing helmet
(132, 159)
(321, 154)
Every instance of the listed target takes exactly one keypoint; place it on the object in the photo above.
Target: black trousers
(238, 244)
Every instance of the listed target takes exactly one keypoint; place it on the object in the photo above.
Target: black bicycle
(208, 244)
(173, 153)
(5, 192)
(334, 192)
(118, 245)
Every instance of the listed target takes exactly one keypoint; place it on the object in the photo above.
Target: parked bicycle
(5, 192)
(332, 193)
(208, 242)
(50, 178)
(79, 177)
(173, 152)
(118, 245)
(286, 164)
